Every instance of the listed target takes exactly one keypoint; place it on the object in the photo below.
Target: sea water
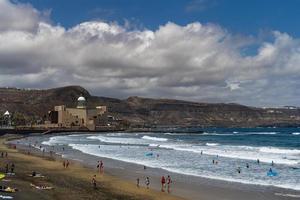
(194, 153)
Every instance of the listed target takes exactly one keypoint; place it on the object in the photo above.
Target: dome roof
(81, 98)
(6, 113)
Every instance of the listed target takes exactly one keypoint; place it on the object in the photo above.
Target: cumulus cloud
(199, 62)
(20, 17)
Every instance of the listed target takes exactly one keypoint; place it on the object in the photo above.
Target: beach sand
(120, 177)
(72, 183)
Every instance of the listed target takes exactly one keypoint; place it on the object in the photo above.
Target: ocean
(194, 153)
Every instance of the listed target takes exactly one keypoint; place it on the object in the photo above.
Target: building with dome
(6, 120)
(78, 117)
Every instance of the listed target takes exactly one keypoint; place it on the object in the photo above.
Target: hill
(34, 104)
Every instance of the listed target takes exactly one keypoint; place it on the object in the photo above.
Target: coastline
(72, 183)
(189, 187)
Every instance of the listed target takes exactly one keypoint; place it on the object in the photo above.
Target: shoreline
(72, 183)
(189, 186)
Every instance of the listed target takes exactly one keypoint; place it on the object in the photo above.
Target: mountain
(34, 104)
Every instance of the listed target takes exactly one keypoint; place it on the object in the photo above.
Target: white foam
(278, 156)
(119, 140)
(278, 150)
(219, 134)
(154, 138)
(296, 133)
(212, 144)
(288, 195)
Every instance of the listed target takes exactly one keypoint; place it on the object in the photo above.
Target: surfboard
(149, 154)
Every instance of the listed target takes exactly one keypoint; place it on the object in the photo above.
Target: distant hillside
(144, 111)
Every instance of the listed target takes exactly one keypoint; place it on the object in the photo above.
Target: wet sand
(72, 183)
(188, 187)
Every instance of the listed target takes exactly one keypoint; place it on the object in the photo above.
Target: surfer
(247, 165)
(239, 170)
(257, 161)
(270, 170)
(213, 161)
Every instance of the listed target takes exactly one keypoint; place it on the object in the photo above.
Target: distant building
(6, 120)
(81, 116)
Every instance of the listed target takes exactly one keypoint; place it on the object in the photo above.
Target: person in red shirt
(163, 182)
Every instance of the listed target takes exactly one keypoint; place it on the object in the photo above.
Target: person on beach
(169, 181)
(2, 154)
(12, 168)
(138, 182)
(145, 167)
(101, 167)
(257, 161)
(147, 182)
(98, 166)
(272, 163)
(6, 168)
(163, 183)
(67, 164)
(94, 182)
(64, 164)
(213, 161)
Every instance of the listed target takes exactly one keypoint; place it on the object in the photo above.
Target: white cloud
(20, 16)
(194, 62)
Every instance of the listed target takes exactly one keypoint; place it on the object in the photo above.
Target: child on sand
(147, 182)
(138, 182)
(94, 182)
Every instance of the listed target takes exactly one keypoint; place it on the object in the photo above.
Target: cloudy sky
(198, 50)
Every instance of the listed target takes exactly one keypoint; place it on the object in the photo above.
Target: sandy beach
(71, 183)
(119, 180)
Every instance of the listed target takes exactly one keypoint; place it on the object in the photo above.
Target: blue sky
(252, 17)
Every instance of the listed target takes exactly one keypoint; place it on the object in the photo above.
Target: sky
(230, 51)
